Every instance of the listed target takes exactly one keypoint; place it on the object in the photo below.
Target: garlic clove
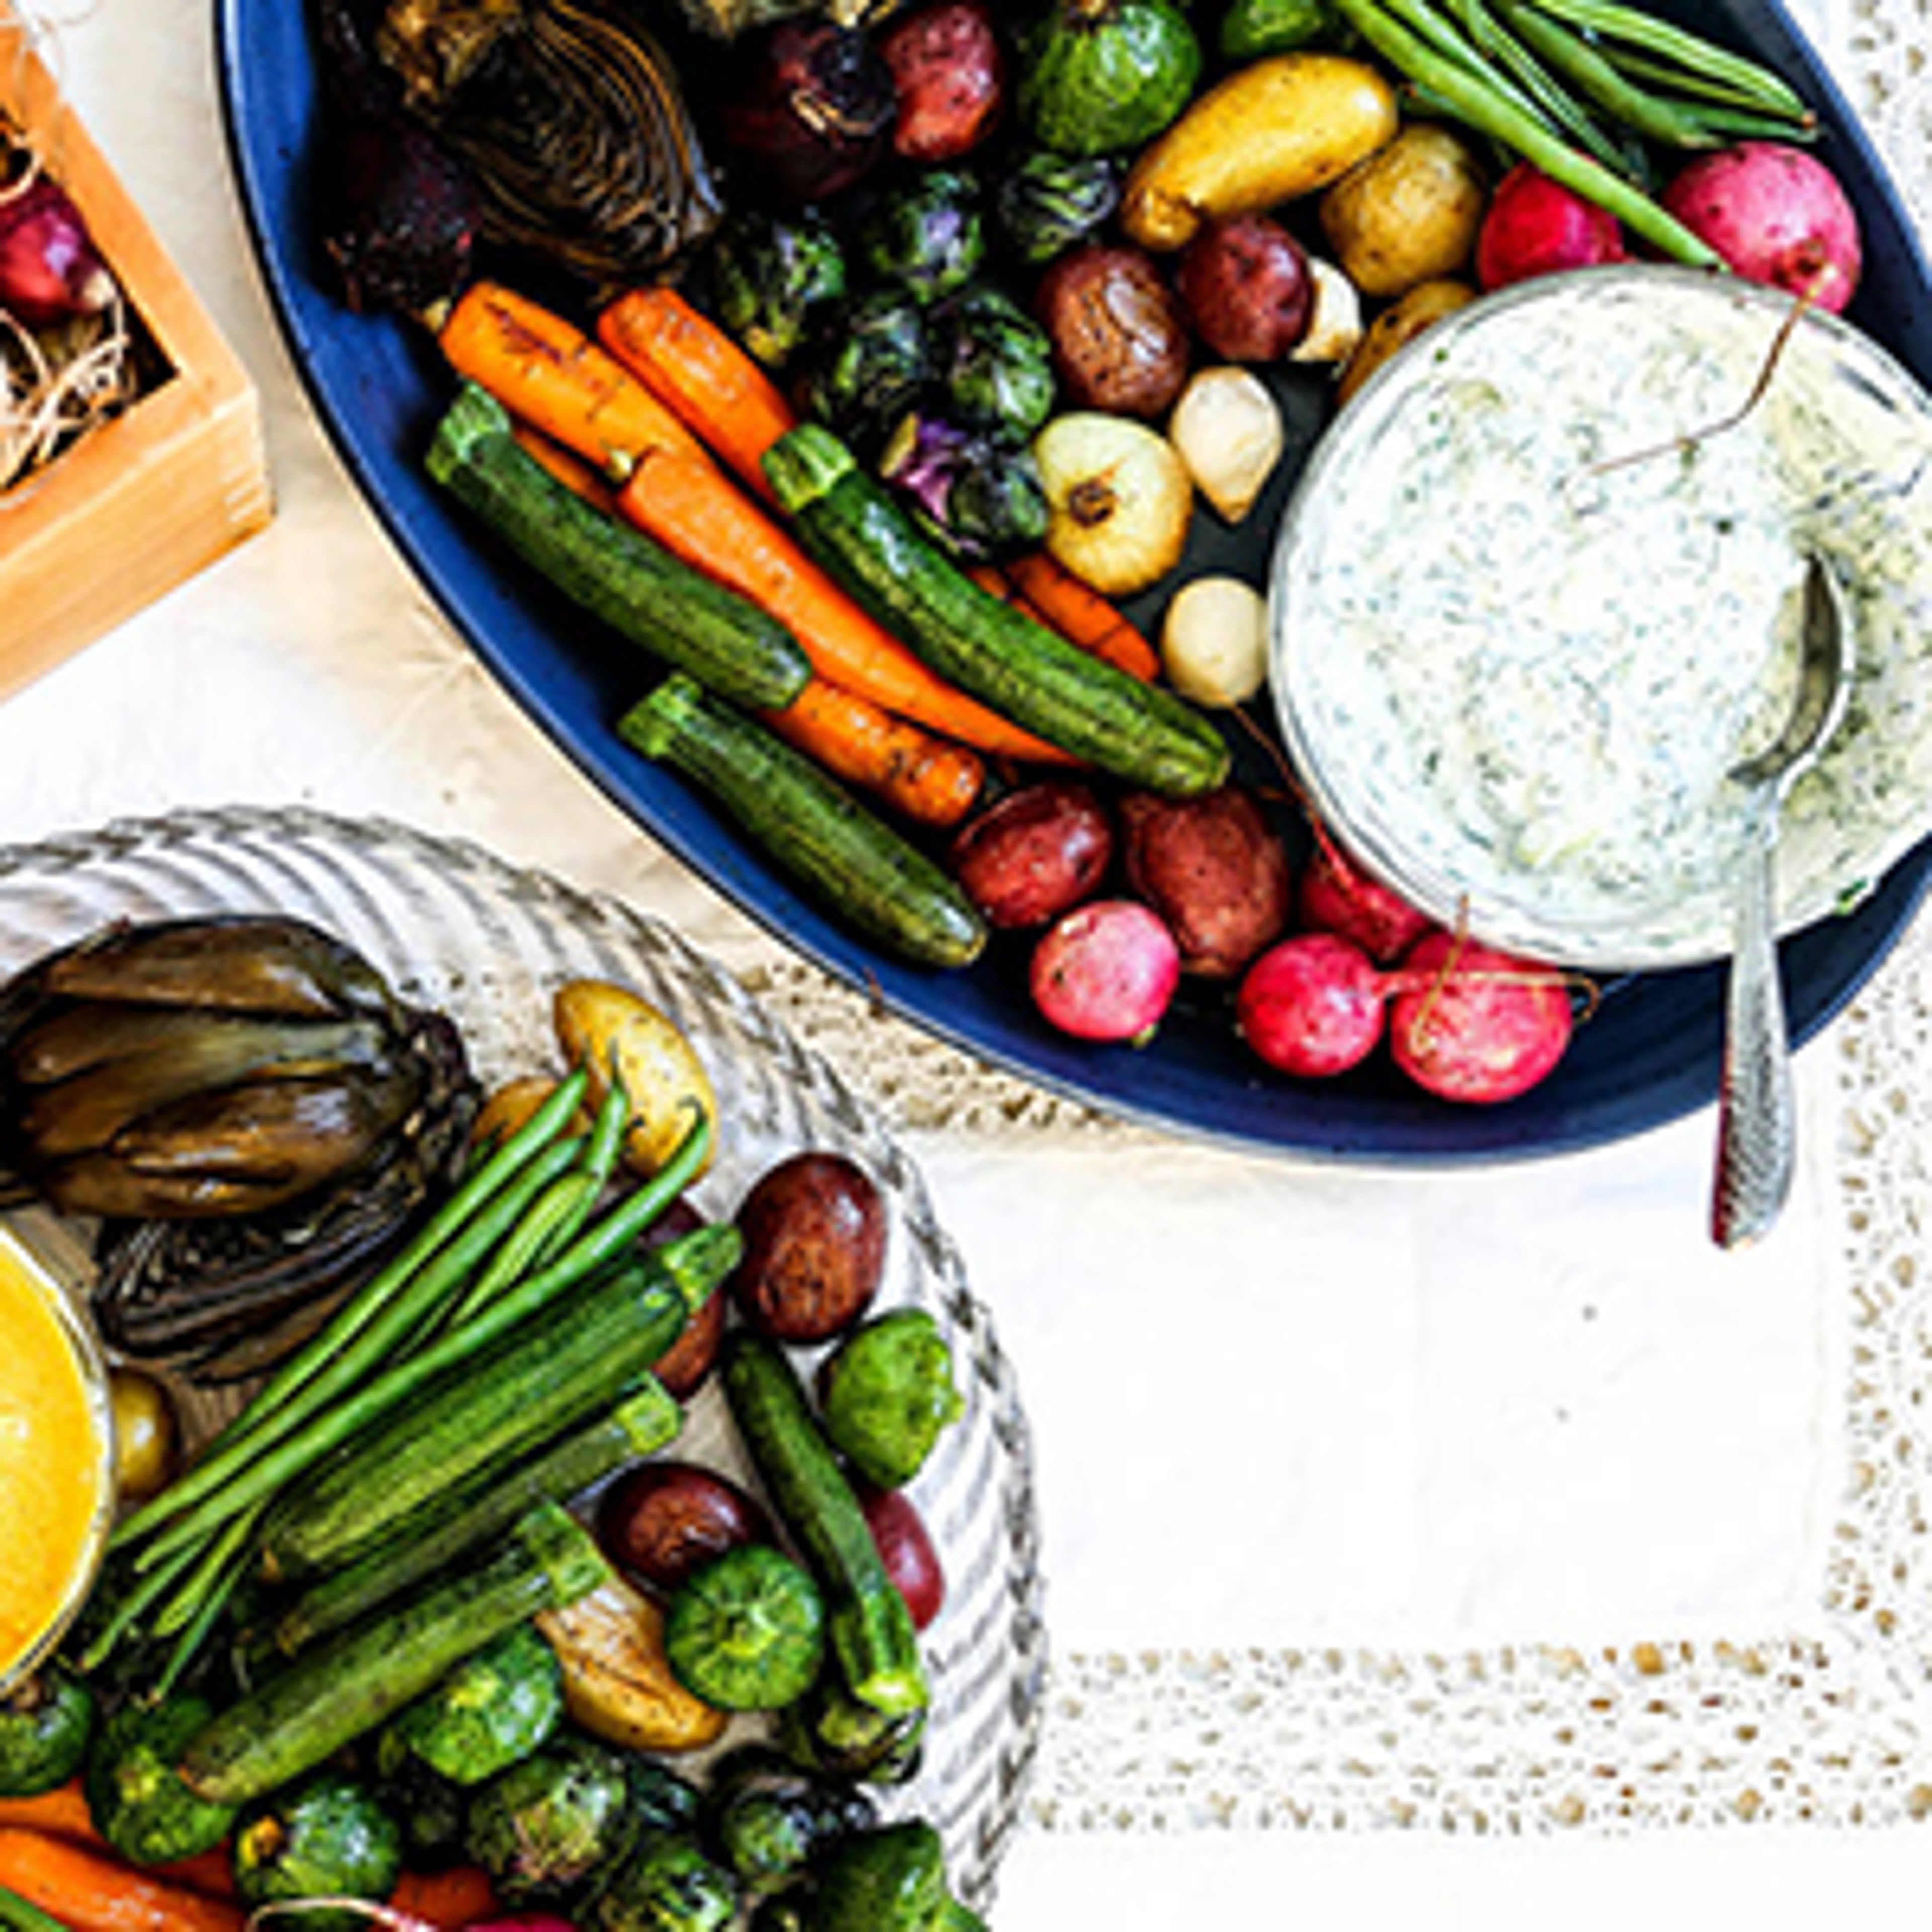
(1335, 322)
(1228, 431)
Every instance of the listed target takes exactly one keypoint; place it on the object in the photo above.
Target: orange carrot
(63, 1810)
(697, 512)
(546, 372)
(462, 1895)
(922, 776)
(565, 465)
(695, 370)
(89, 1891)
(1080, 614)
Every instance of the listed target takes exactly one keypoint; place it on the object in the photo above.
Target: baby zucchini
(1119, 723)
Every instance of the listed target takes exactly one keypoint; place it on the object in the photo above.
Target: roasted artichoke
(248, 1107)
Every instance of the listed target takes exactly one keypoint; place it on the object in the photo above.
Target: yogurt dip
(1538, 592)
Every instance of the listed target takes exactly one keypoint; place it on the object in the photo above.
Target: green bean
(23, 1915)
(1541, 89)
(191, 1615)
(1691, 51)
(1491, 113)
(137, 1596)
(1664, 121)
(378, 1395)
(1713, 89)
(406, 1316)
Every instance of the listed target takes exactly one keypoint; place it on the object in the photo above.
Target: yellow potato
(608, 1029)
(1273, 130)
(617, 1680)
(510, 1105)
(1409, 213)
(1400, 324)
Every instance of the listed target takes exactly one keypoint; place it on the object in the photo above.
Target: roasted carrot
(697, 512)
(549, 374)
(88, 1891)
(1080, 614)
(63, 1810)
(462, 1895)
(920, 774)
(696, 371)
(565, 465)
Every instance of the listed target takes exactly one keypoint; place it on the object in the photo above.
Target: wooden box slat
(177, 479)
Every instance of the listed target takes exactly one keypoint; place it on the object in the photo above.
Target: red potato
(1106, 971)
(1536, 226)
(1332, 896)
(1214, 869)
(813, 1227)
(1311, 1006)
(1485, 1029)
(684, 1365)
(1035, 853)
(1776, 215)
(1247, 289)
(1119, 333)
(906, 1548)
(659, 1521)
(949, 73)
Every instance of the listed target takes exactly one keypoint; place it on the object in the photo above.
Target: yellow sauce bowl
(56, 1450)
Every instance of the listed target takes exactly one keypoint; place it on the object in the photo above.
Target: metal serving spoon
(1756, 1116)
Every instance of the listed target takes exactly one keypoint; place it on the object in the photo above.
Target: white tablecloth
(1458, 1488)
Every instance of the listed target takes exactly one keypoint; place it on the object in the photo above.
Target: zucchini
(810, 825)
(616, 573)
(867, 1626)
(343, 1688)
(639, 1426)
(851, 522)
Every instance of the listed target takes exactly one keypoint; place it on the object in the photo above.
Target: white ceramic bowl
(1536, 593)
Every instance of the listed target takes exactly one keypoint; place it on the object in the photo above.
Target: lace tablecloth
(1497, 1508)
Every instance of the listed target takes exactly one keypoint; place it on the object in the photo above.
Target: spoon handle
(1756, 1123)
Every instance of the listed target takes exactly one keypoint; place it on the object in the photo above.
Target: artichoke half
(250, 1112)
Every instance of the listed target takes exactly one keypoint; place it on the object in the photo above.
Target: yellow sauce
(53, 1460)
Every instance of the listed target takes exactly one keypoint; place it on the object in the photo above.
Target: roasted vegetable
(666, 1884)
(1046, 201)
(925, 236)
(773, 276)
(327, 1837)
(995, 363)
(950, 70)
(45, 1720)
(767, 1819)
(1118, 330)
(493, 1710)
(543, 1826)
(746, 1631)
(892, 1879)
(147, 1432)
(572, 120)
(815, 1229)
(983, 497)
(887, 1394)
(1099, 76)
(808, 107)
(621, 1040)
(661, 1519)
(832, 1731)
(135, 1796)
(863, 388)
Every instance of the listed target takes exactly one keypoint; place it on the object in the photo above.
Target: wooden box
(130, 509)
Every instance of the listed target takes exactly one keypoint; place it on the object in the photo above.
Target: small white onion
(1213, 643)
(1228, 431)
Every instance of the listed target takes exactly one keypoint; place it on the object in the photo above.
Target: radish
(1776, 215)
(1535, 227)
(50, 270)
(1106, 970)
(1475, 1024)
(1333, 897)
(1312, 1005)
(389, 1919)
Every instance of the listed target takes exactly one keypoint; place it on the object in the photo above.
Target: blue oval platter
(1648, 1055)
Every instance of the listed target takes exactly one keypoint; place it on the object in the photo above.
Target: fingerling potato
(1398, 325)
(609, 1030)
(1408, 214)
(1272, 131)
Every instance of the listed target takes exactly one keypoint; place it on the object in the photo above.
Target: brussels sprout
(983, 497)
(773, 277)
(138, 1802)
(996, 364)
(892, 1879)
(543, 1826)
(1047, 202)
(667, 1884)
(882, 362)
(327, 1837)
(45, 1723)
(766, 1818)
(925, 236)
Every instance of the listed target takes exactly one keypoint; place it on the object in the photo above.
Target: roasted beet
(1246, 285)
(1119, 334)
(659, 1521)
(814, 1233)
(808, 109)
(1215, 870)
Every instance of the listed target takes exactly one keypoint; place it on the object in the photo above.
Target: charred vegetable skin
(45, 1720)
(570, 118)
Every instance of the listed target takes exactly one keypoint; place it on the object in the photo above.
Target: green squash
(46, 1721)
(1098, 76)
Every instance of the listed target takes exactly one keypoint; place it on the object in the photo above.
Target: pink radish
(388, 1918)
(1776, 215)
(1106, 970)
(1475, 1024)
(1535, 226)
(1333, 897)
(1311, 1005)
(50, 270)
